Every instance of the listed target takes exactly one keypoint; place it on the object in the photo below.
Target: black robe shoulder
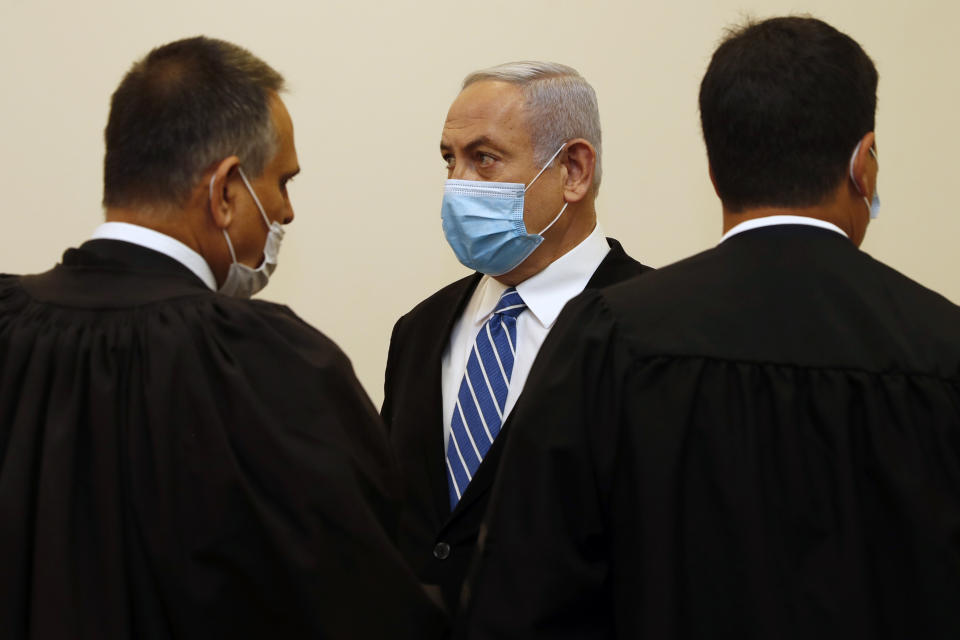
(175, 463)
(762, 441)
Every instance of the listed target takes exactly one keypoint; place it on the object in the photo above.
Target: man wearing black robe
(762, 440)
(176, 462)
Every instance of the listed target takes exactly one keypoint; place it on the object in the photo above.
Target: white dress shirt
(160, 242)
(545, 295)
(770, 221)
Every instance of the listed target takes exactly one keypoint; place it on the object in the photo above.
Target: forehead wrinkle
(489, 112)
(493, 101)
(479, 131)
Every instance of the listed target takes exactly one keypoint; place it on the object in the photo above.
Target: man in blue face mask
(521, 145)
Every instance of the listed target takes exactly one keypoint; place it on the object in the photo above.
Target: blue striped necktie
(478, 413)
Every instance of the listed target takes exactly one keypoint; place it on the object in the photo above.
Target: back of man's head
(559, 103)
(179, 110)
(783, 104)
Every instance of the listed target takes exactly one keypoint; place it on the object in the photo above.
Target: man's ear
(221, 205)
(580, 160)
(863, 176)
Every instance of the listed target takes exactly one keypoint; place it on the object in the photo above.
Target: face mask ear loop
(854, 157)
(555, 219)
(233, 256)
(869, 205)
(552, 158)
(256, 200)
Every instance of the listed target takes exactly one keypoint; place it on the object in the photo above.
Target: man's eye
(449, 161)
(485, 160)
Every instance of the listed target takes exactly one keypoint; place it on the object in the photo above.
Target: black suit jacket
(439, 544)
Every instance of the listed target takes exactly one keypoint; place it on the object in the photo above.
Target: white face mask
(243, 281)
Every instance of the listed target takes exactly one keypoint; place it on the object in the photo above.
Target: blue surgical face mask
(874, 205)
(483, 223)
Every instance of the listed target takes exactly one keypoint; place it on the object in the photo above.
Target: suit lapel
(616, 267)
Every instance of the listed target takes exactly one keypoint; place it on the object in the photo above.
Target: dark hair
(183, 107)
(782, 105)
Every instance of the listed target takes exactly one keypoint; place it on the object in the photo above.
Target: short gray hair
(560, 105)
(181, 109)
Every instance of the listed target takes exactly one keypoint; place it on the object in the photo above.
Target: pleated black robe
(761, 441)
(175, 463)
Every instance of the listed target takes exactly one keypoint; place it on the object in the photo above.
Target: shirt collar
(547, 292)
(769, 221)
(160, 242)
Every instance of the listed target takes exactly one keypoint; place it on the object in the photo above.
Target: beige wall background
(370, 86)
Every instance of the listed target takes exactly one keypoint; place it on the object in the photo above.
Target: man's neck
(838, 211)
(583, 220)
(167, 223)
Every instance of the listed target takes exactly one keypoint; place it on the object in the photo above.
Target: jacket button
(441, 551)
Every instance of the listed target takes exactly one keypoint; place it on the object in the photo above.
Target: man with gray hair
(522, 148)
(177, 461)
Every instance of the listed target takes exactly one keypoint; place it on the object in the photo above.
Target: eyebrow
(476, 142)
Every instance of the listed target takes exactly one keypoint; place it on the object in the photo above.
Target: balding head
(181, 109)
